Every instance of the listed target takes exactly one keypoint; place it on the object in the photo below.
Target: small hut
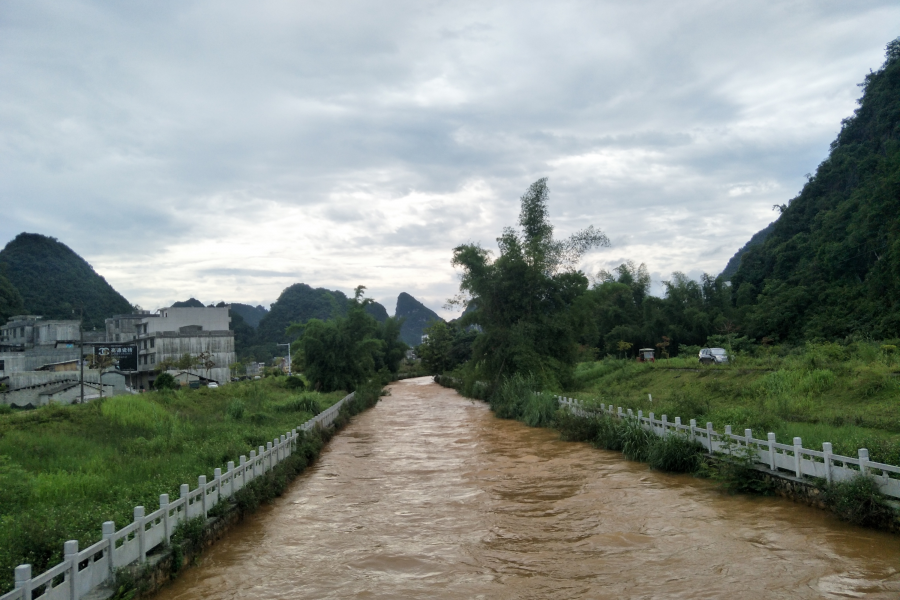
(646, 355)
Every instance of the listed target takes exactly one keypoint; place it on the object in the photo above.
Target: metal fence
(83, 570)
(792, 458)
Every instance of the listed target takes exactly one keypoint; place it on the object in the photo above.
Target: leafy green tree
(165, 381)
(346, 351)
(434, 351)
(524, 296)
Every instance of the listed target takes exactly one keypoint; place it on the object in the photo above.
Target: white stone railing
(83, 570)
(795, 459)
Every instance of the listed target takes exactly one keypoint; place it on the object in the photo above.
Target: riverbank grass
(820, 393)
(64, 470)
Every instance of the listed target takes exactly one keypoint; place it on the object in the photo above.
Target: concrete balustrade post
(217, 479)
(863, 460)
(201, 485)
(261, 459)
(748, 435)
(771, 437)
(109, 531)
(798, 449)
(164, 506)
(270, 453)
(728, 430)
(139, 521)
(230, 478)
(630, 413)
(665, 425)
(693, 423)
(603, 406)
(23, 580)
(620, 412)
(70, 555)
(252, 465)
(709, 435)
(677, 424)
(184, 491)
(243, 463)
(826, 458)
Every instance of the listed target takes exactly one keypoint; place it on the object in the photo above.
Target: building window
(2, 365)
(152, 359)
(153, 342)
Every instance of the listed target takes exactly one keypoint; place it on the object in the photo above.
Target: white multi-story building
(170, 334)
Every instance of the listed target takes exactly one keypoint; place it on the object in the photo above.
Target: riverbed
(428, 495)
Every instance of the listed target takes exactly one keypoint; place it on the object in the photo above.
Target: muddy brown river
(428, 495)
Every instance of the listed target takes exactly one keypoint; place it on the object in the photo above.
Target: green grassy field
(66, 469)
(847, 395)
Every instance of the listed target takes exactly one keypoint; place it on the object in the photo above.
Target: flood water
(428, 495)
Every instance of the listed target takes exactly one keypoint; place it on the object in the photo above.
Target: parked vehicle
(212, 385)
(646, 355)
(709, 356)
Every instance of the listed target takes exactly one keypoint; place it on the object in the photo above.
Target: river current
(428, 495)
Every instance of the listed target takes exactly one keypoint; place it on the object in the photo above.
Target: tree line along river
(428, 495)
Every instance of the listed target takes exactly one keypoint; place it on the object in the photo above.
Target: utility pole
(290, 365)
(81, 350)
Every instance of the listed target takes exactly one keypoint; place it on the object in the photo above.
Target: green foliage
(512, 395)
(675, 454)
(344, 352)
(165, 381)
(294, 383)
(635, 440)
(829, 267)
(64, 470)
(54, 281)
(189, 531)
(859, 501)
(236, 409)
(523, 298)
(736, 474)
(540, 410)
(447, 347)
(307, 403)
(11, 302)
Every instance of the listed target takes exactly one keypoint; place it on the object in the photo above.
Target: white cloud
(226, 150)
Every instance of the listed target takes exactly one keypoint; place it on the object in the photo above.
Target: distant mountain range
(40, 275)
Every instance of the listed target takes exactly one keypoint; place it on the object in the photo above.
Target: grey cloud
(125, 127)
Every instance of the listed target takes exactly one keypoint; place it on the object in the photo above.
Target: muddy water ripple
(428, 495)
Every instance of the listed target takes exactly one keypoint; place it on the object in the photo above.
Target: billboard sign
(124, 356)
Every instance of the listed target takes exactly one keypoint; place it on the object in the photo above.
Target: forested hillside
(296, 304)
(831, 265)
(11, 302)
(735, 261)
(55, 282)
(252, 315)
(416, 317)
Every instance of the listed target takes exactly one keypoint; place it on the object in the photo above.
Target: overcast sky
(226, 150)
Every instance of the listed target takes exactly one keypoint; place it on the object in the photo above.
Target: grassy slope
(822, 393)
(65, 470)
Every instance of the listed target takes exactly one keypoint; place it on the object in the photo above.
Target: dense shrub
(675, 454)
(859, 501)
